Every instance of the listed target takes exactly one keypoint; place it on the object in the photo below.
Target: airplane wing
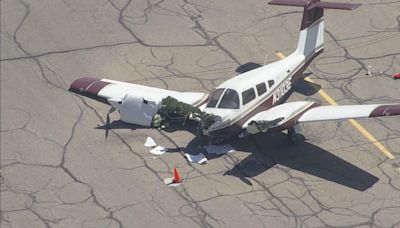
(324, 113)
(289, 114)
(104, 90)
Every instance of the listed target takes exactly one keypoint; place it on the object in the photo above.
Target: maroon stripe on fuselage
(89, 87)
(236, 128)
(386, 110)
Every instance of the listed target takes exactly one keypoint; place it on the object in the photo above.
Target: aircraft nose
(208, 121)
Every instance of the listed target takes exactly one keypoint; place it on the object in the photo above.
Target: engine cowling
(138, 109)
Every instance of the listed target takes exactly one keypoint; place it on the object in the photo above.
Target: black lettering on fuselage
(281, 91)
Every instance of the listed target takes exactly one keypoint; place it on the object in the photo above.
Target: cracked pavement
(57, 170)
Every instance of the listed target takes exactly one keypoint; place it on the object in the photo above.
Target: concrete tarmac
(57, 169)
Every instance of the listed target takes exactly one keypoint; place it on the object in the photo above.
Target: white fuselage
(277, 78)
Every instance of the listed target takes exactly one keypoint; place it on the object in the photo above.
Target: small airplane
(247, 104)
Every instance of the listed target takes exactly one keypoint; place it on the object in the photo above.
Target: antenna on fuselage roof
(265, 60)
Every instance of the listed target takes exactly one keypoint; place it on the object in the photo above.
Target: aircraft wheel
(292, 135)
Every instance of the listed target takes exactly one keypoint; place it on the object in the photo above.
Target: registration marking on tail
(353, 122)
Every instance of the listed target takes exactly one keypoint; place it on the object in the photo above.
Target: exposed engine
(159, 113)
(207, 120)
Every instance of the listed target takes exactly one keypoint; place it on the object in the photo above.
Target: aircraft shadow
(247, 67)
(267, 150)
(305, 87)
(118, 124)
(270, 149)
(189, 126)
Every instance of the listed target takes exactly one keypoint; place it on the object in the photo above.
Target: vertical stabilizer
(311, 39)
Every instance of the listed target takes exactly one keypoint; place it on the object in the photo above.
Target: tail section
(311, 39)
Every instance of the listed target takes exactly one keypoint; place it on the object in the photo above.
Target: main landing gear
(292, 135)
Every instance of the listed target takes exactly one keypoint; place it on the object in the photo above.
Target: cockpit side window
(248, 96)
(261, 88)
(230, 100)
(271, 83)
(214, 98)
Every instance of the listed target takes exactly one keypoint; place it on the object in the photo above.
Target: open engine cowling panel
(139, 110)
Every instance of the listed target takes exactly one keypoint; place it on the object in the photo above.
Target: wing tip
(386, 110)
(89, 87)
(81, 84)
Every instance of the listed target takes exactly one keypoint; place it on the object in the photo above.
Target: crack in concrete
(274, 203)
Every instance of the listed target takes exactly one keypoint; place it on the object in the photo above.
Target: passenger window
(248, 95)
(214, 98)
(271, 83)
(230, 100)
(261, 88)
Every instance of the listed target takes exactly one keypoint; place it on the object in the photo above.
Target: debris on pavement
(176, 180)
(158, 150)
(368, 70)
(196, 158)
(219, 149)
(150, 142)
(168, 181)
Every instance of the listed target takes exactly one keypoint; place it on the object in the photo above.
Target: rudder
(311, 39)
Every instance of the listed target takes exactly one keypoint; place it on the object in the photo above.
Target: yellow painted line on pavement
(353, 122)
(371, 138)
(280, 55)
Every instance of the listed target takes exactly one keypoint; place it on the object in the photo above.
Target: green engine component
(173, 110)
(171, 107)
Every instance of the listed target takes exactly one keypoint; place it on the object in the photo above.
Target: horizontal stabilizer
(337, 5)
(301, 3)
(325, 5)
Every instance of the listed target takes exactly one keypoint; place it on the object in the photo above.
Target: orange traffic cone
(177, 176)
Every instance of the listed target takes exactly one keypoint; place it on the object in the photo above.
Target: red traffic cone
(177, 176)
(396, 76)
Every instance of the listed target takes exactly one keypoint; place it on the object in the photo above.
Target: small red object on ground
(177, 176)
(396, 76)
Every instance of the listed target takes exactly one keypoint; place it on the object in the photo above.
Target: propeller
(112, 109)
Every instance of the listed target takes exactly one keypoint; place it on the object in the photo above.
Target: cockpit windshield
(230, 100)
(214, 98)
